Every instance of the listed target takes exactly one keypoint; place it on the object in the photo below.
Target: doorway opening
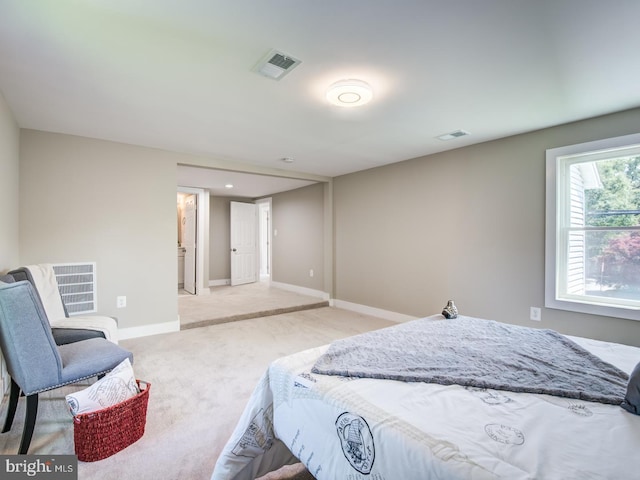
(187, 228)
(192, 213)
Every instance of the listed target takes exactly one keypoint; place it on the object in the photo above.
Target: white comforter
(388, 430)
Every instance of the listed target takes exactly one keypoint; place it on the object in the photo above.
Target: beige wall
(91, 200)
(9, 184)
(298, 217)
(84, 199)
(466, 225)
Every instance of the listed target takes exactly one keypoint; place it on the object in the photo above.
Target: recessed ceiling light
(228, 185)
(349, 93)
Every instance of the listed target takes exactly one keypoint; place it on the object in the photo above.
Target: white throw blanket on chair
(46, 284)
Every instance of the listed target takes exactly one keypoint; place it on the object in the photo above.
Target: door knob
(233, 249)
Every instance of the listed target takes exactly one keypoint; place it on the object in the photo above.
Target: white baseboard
(220, 282)
(301, 290)
(146, 330)
(374, 312)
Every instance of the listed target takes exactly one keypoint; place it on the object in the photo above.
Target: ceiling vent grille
(454, 134)
(276, 65)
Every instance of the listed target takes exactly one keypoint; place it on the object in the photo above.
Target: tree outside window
(613, 252)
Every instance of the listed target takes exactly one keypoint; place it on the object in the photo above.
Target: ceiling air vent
(454, 134)
(276, 65)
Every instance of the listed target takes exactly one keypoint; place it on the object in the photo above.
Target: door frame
(268, 239)
(202, 240)
(189, 233)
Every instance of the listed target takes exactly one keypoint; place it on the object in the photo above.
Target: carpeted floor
(228, 304)
(289, 472)
(200, 379)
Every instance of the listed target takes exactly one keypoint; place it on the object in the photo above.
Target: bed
(399, 425)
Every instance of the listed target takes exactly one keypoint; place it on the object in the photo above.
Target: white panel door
(243, 243)
(189, 243)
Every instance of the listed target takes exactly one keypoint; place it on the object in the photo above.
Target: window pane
(613, 264)
(613, 199)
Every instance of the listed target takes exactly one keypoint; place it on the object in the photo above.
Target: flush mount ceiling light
(349, 93)
(228, 185)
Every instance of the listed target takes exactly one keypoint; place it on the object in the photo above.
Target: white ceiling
(243, 184)
(177, 75)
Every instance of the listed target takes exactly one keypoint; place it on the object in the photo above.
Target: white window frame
(556, 158)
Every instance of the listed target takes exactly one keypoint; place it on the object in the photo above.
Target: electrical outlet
(311, 272)
(121, 302)
(535, 314)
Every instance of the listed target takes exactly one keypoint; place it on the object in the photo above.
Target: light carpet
(201, 380)
(241, 302)
(296, 471)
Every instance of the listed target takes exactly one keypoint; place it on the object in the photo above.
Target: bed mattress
(345, 428)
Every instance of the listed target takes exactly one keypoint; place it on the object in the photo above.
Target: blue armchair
(34, 361)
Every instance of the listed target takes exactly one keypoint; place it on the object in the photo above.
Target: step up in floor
(246, 316)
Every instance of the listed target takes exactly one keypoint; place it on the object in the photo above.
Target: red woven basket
(100, 434)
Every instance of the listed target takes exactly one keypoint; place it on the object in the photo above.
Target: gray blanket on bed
(478, 353)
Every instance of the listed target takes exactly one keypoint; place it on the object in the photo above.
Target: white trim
(220, 282)
(269, 202)
(146, 330)
(302, 290)
(374, 312)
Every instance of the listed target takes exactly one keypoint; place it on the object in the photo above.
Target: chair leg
(11, 409)
(29, 423)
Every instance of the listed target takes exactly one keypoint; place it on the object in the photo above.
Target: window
(593, 228)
